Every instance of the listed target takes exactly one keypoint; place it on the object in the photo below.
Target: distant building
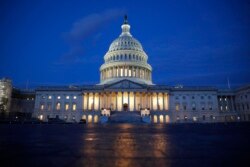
(126, 91)
(5, 95)
(22, 103)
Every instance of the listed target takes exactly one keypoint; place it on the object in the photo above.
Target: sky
(188, 42)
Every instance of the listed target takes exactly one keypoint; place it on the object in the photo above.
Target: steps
(125, 117)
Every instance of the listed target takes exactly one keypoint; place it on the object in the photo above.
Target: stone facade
(126, 86)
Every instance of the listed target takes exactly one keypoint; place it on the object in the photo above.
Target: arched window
(136, 57)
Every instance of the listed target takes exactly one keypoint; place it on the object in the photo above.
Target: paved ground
(125, 145)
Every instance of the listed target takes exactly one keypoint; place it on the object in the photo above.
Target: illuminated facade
(5, 95)
(126, 87)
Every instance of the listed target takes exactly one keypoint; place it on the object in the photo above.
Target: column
(140, 100)
(122, 99)
(163, 98)
(151, 108)
(87, 101)
(134, 101)
(128, 101)
(99, 101)
(116, 93)
(110, 100)
(157, 94)
(93, 101)
(123, 71)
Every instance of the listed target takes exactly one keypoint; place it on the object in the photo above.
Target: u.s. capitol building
(126, 93)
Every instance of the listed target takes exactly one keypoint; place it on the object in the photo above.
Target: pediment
(125, 84)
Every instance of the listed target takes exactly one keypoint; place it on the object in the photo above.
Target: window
(177, 107)
(74, 97)
(184, 97)
(49, 97)
(210, 107)
(58, 106)
(220, 99)
(221, 108)
(202, 97)
(209, 97)
(193, 106)
(192, 97)
(74, 107)
(43, 97)
(176, 97)
(184, 107)
(204, 117)
(203, 107)
(226, 108)
(66, 106)
(185, 117)
(42, 106)
(225, 99)
(58, 97)
(67, 97)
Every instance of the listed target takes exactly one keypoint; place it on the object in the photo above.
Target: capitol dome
(126, 59)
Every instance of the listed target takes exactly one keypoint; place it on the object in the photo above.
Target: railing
(105, 112)
(145, 112)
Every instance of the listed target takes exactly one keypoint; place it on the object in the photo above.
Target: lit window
(226, 108)
(177, 107)
(74, 97)
(185, 117)
(74, 107)
(220, 99)
(58, 106)
(194, 119)
(42, 107)
(58, 97)
(67, 97)
(40, 117)
(50, 97)
(28, 98)
(221, 108)
(225, 99)
(66, 106)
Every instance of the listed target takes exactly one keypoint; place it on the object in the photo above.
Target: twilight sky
(189, 42)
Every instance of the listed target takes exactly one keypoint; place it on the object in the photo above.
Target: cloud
(91, 23)
(84, 30)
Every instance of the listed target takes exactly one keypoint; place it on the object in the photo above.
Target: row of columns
(126, 71)
(96, 101)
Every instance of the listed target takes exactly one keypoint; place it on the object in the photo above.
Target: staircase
(125, 117)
